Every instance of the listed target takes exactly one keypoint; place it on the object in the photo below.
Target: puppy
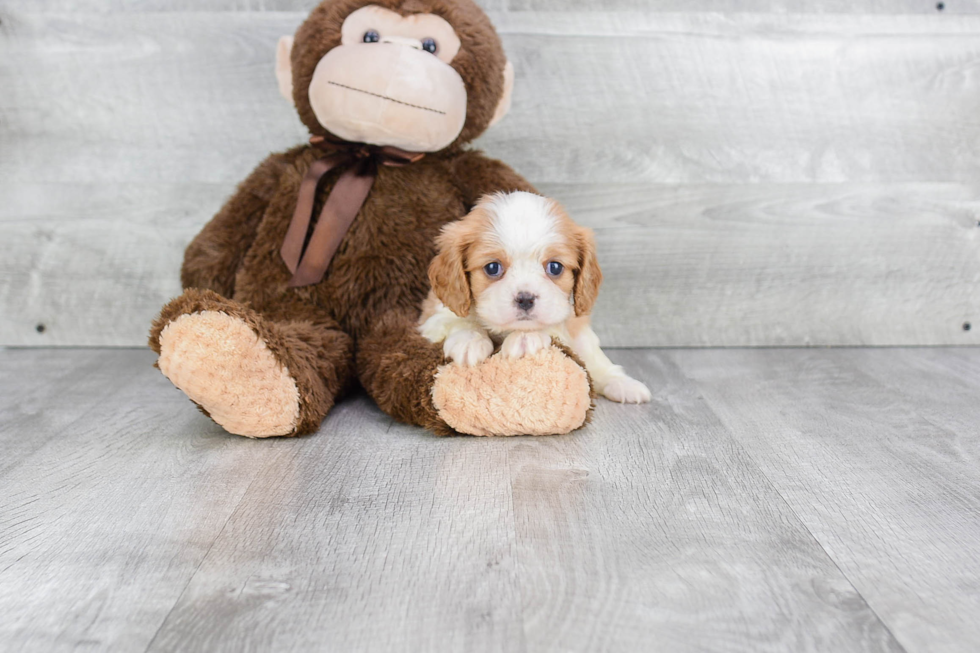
(518, 271)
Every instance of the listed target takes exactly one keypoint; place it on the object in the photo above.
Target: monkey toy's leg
(407, 376)
(548, 393)
(254, 376)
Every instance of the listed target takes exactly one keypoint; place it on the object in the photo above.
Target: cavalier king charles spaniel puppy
(516, 271)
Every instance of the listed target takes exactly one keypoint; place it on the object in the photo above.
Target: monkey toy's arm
(477, 175)
(212, 259)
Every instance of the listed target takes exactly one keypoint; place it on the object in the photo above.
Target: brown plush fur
(317, 354)
(359, 322)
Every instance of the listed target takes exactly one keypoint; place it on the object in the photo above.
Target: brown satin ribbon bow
(308, 261)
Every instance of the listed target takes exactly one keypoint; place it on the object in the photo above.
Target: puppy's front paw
(524, 343)
(468, 348)
(626, 390)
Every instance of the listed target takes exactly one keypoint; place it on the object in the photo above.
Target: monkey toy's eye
(371, 36)
(430, 45)
(493, 269)
(555, 268)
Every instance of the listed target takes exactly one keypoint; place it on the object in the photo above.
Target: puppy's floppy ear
(447, 272)
(589, 276)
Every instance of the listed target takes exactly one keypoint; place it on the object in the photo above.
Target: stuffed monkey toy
(310, 279)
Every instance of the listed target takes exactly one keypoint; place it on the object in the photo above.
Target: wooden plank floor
(766, 500)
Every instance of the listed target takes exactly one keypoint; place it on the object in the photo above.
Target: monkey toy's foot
(546, 393)
(211, 349)
(224, 367)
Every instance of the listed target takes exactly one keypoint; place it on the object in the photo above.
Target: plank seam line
(833, 561)
(93, 407)
(200, 563)
(517, 551)
(806, 528)
(909, 398)
(772, 486)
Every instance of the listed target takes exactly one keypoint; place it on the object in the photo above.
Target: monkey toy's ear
(503, 105)
(284, 68)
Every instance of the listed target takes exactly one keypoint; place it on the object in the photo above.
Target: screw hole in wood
(940, 6)
(40, 328)
(967, 326)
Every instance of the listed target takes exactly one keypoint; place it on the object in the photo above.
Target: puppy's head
(519, 262)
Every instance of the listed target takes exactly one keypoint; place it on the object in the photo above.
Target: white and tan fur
(525, 300)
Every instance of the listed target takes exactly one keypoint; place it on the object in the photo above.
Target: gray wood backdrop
(759, 172)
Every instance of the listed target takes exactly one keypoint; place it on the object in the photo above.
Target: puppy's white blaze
(523, 223)
(525, 226)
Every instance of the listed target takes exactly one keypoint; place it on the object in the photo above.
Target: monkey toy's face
(397, 75)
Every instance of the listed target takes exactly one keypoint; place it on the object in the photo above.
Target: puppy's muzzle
(525, 301)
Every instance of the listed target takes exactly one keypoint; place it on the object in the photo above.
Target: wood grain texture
(100, 275)
(723, 6)
(45, 394)
(138, 525)
(885, 478)
(106, 506)
(947, 385)
(784, 265)
(130, 98)
(611, 98)
(174, 6)
(684, 265)
(692, 98)
(892, 7)
(369, 536)
(120, 135)
(653, 529)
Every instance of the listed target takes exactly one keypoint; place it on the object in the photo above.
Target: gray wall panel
(755, 178)
(659, 6)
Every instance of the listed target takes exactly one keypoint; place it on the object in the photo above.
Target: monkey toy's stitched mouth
(385, 97)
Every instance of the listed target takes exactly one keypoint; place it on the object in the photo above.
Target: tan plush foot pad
(221, 364)
(544, 394)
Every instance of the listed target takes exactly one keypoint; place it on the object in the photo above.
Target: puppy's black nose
(525, 300)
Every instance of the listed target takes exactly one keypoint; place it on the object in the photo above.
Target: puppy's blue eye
(493, 269)
(430, 45)
(371, 36)
(555, 268)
